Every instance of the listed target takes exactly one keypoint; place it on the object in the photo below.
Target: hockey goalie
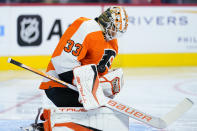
(83, 58)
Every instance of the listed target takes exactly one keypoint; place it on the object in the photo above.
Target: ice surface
(152, 90)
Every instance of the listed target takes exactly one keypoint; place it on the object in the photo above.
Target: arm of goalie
(87, 82)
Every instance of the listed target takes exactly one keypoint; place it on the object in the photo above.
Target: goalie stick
(155, 122)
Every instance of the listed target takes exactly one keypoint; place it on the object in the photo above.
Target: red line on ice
(21, 103)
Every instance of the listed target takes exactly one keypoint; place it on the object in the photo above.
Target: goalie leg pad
(79, 119)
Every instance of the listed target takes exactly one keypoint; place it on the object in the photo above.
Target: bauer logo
(29, 30)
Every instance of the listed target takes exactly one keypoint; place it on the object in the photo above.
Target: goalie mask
(114, 22)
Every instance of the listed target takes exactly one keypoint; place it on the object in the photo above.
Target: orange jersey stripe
(50, 84)
(50, 67)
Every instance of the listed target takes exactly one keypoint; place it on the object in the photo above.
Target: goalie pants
(63, 97)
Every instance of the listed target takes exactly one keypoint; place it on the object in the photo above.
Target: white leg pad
(102, 118)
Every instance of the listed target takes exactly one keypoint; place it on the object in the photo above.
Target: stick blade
(178, 111)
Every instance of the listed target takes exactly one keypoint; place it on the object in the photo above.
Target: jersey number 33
(72, 47)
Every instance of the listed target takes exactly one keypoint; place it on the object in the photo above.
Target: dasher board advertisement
(36, 30)
(160, 29)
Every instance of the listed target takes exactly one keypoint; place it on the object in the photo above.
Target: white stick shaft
(136, 114)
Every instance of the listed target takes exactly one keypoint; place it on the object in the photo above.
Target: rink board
(122, 60)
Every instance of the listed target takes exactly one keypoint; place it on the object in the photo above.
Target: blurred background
(158, 54)
(101, 1)
(160, 32)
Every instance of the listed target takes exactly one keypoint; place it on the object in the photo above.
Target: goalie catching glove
(112, 82)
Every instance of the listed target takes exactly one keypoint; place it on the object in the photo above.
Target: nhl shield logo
(29, 30)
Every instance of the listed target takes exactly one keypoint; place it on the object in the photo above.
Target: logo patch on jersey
(29, 30)
(106, 60)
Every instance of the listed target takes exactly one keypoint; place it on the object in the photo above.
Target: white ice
(152, 90)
